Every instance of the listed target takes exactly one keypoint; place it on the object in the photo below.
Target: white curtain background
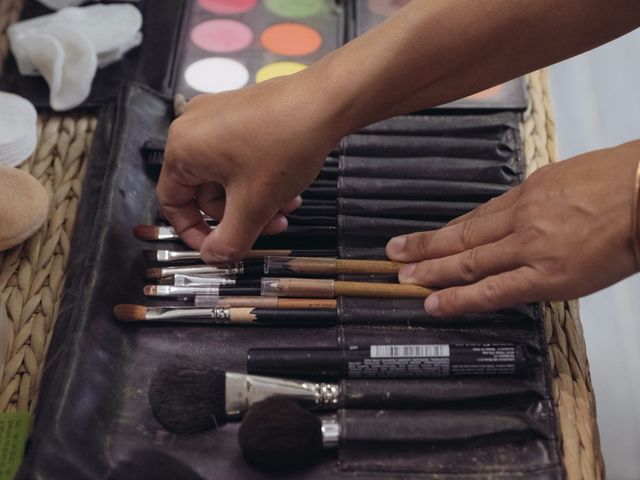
(597, 104)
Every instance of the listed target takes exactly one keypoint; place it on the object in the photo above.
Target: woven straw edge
(572, 390)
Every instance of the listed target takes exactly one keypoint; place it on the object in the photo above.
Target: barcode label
(402, 351)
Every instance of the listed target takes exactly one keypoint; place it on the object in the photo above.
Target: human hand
(564, 233)
(243, 158)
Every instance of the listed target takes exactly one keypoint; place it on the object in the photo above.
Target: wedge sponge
(24, 206)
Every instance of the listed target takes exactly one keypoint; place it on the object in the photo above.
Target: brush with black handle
(278, 434)
(300, 317)
(191, 397)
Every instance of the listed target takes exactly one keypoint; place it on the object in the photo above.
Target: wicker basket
(32, 274)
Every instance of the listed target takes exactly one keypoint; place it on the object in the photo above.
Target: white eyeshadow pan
(216, 74)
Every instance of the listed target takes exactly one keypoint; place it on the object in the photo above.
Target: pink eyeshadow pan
(227, 6)
(222, 35)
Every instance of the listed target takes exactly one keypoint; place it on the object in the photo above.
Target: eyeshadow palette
(366, 14)
(228, 44)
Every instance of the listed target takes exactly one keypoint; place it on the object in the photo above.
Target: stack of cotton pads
(18, 129)
(67, 47)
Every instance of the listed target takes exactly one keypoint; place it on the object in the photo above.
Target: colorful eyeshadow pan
(278, 69)
(291, 39)
(296, 8)
(227, 6)
(222, 36)
(216, 74)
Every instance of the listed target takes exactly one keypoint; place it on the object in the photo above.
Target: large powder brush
(192, 397)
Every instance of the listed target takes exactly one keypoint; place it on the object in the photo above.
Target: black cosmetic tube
(389, 361)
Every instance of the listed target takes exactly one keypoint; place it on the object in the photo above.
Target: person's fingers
(450, 240)
(211, 199)
(291, 205)
(492, 293)
(494, 205)
(243, 220)
(176, 198)
(277, 224)
(466, 267)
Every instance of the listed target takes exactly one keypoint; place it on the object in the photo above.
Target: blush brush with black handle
(279, 434)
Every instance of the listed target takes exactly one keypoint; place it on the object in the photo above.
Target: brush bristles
(130, 313)
(153, 273)
(189, 397)
(278, 434)
(151, 290)
(151, 255)
(146, 232)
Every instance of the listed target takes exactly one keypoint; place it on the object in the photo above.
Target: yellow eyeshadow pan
(278, 69)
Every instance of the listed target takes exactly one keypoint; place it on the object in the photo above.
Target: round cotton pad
(24, 206)
(18, 124)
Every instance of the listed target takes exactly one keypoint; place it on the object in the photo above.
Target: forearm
(435, 51)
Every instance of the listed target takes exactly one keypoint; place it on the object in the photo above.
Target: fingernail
(396, 245)
(406, 272)
(432, 304)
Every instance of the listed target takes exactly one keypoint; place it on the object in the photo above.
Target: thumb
(245, 216)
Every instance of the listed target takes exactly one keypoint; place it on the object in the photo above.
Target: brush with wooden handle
(282, 265)
(324, 288)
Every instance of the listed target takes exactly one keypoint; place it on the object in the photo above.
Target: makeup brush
(182, 280)
(325, 288)
(277, 433)
(180, 391)
(301, 317)
(263, 302)
(152, 233)
(170, 256)
(192, 396)
(278, 265)
(190, 291)
(226, 270)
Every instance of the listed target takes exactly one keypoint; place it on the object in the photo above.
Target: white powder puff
(68, 46)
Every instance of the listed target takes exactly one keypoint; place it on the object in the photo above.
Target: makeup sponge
(24, 206)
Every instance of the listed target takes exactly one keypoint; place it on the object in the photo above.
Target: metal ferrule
(182, 280)
(186, 315)
(173, 291)
(330, 431)
(244, 390)
(172, 255)
(224, 270)
(221, 313)
(167, 233)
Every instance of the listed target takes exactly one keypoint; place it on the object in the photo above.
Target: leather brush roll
(433, 168)
(433, 426)
(415, 394)
(494, 126)
(406, 209)
(406, 146)
(455, 444)
(371, 231)
(374, 334)
(379, 311)
(407, 189)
